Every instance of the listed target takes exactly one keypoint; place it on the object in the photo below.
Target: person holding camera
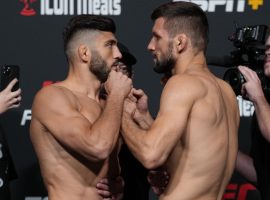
(256, 166)
(8, 100)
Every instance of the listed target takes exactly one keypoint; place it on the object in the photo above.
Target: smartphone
(8, 73)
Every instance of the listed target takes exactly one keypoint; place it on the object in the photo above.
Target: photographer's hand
(252, 88)
(9, 99)
(254, 92)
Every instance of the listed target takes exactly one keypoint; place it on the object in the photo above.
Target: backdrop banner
(31, 37)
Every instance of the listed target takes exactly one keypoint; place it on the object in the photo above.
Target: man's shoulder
(184, 79)
(183, 88)
(226, 88)
(186, 82)
(52, 91)
(52, 95)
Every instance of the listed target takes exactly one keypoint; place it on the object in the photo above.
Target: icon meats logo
(228, 5)
(27, 10)
(73, 7)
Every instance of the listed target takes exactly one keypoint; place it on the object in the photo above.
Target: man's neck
(189, 62)
(84, 82)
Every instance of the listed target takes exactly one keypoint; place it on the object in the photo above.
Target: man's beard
(166, 63)
(99, 67)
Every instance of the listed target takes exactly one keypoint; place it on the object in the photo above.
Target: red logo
(27, 10)
(238, 191)
(48, 82)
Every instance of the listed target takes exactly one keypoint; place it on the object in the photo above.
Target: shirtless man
(74, 138)
(195, 132)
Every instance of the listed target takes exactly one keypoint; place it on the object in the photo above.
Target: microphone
(225, 61)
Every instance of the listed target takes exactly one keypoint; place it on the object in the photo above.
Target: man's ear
(181, 42)
(84, 53)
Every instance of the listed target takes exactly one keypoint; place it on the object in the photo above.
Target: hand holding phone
(8, 73)
(10, 93)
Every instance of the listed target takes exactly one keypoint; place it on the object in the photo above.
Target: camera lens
(235, 79)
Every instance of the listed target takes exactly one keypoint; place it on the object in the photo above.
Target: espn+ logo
(228, 5)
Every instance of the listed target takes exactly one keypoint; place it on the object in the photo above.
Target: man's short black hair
(87, 22)
(184, 17)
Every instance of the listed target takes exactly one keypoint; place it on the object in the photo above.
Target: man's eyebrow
(155, 34)
(111, 41)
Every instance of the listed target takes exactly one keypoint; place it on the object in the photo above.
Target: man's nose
(151, 46)
(117, 53)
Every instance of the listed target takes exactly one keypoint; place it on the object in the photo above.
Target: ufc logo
(238, 192)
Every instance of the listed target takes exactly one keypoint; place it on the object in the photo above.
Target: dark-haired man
(75, 138)
(195, 132)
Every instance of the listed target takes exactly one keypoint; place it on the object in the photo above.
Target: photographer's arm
(244, 165)
(253, 91)
(263, 116)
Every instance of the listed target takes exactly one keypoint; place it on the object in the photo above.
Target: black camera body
(249, 42)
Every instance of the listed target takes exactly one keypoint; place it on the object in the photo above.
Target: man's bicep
(62, 121)
(168, 127)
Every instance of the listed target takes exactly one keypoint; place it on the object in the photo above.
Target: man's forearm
(145, 121)
(262, 109)
(244, 165)
(106, 129)
(133, 135)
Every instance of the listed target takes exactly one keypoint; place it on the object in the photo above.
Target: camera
(249, 43)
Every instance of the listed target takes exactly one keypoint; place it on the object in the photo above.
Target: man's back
(202, 161)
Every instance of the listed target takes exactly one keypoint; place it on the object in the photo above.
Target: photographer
(256, 167)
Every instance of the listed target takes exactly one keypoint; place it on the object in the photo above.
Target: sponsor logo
(27, 10)
(72, 7)
(238, 191)
(255, 4)
(227, 5)
(27, 113)
(246, 108)
(26, 117)
(36, 198)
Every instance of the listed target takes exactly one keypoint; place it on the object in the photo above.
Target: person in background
(256, 166)
(8, 100)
